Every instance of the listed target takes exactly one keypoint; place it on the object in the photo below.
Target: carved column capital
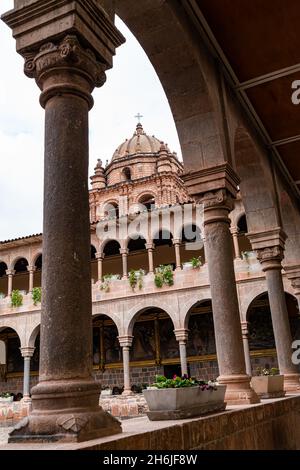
(10, 272)
(27, 352)
(293, 274)
(51, 69)
(99, 255)
(125, 341)
(149, 246)
(181, 334)
(270, 257)
(31, 269)
(124, 251)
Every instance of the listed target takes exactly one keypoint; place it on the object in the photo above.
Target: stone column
(182, 337)
(124, 253)
(270, 259)
(100, 257)
(126, 343)
(67, 55)
(234, 233)
(150, 248)
(245, 335)
(176, 244)
(27, 353)
(216, 188)
(31, 270)
(10, 274)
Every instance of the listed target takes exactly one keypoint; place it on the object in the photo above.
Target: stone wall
(205, 370)
(266, 426)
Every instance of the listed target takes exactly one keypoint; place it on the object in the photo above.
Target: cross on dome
(138, 117)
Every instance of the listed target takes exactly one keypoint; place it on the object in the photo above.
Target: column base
(127, 393)
(292, 382)
(65, 411)
(238, 391)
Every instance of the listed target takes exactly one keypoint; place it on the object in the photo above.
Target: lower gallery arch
(12, 365)
(201, 346)
(260, 331)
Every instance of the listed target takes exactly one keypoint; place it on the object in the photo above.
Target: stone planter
(268, 386)
(105, 393)
(6, 400)
(187, 265)
(181, 403)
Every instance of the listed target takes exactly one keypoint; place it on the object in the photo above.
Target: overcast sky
(132, 86)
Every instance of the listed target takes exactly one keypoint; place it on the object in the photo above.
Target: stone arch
(106, 242)
(147, 199)
(16, 260)
(256, 186)
(33, 335)
(98, 312)
(106, 347)
(142, 307)
(186, 74)
(35, 257)
(189, 306)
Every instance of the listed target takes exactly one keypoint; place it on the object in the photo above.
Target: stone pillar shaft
(100, 258)
(31, 270)
(177, 253)
(27, 354)
(228, 335)
(270, 258)
(150, 248)
(126, 343)
(10, 274)
(182, 337)
(245, 334)
(65, 403)
(234, 233)
(124, 254)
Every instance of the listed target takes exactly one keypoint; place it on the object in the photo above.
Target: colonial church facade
(151, 296)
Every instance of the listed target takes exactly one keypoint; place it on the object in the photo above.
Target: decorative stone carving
(72, 423)
(55, 58)
(270, 257)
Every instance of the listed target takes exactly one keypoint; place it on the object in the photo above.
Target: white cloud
(132, 86)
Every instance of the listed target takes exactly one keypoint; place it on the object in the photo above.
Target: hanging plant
(36, 295)
(16, 298)
(164, 275)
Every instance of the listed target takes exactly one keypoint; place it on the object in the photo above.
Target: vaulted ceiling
(258, 44)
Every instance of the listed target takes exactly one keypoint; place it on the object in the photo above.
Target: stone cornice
(267, 238)
(51, 20)
(211, 179)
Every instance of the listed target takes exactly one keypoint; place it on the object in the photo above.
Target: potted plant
(106, 391)
(268, 383)
(36, 295)
(183, 397)
(6, 397)
(106, 280)
(136, 278)
(164, 275)
(16, 298)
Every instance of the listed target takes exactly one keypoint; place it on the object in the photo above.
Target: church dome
(139, 143)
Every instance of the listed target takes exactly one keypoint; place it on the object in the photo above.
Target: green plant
(265, 371)
(5, 395)
(164, 275)
(136, 278)
(245, 255)
(16, 298)
(196, 262)
(36, 295)
(181, 382)
(105, 284)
